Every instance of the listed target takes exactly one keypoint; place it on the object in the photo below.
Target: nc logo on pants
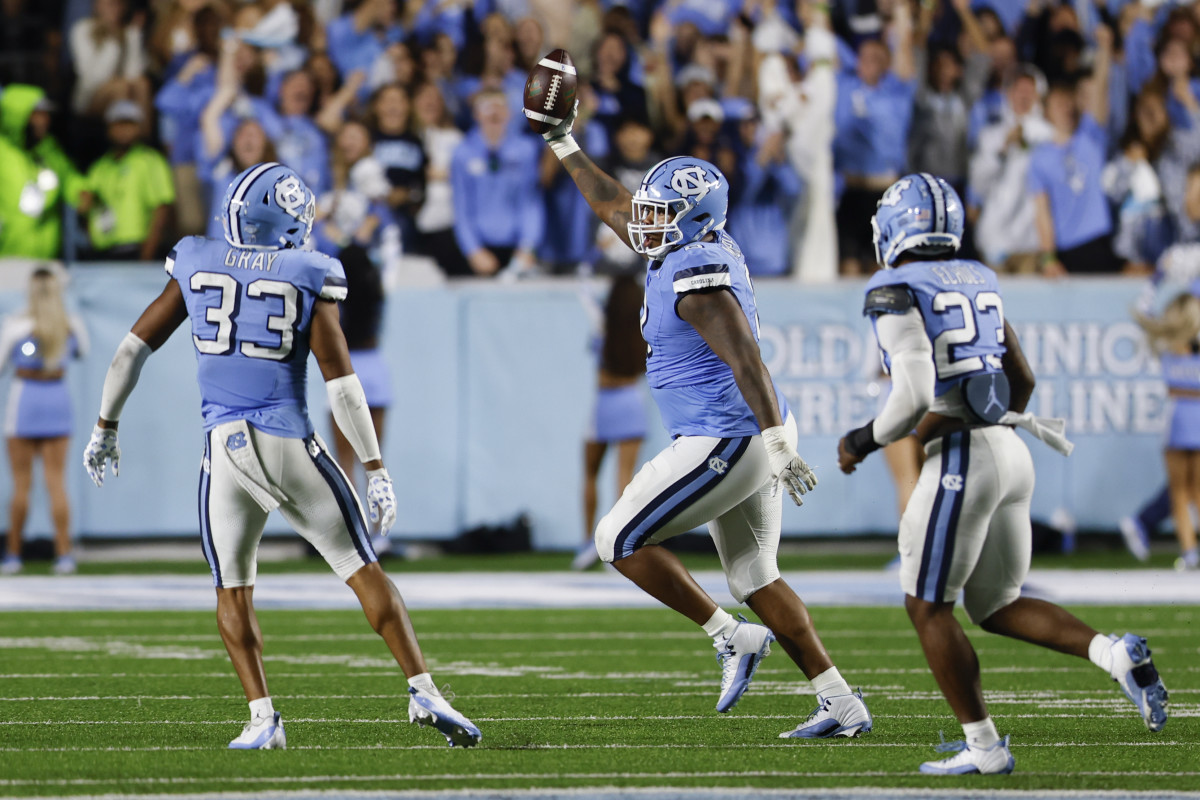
(236, 441)
(717, 465)
(952, 483)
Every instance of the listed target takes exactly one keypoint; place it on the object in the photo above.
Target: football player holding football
(734, 439)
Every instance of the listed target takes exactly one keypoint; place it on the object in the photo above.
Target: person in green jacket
(129, 193)
(36, 176)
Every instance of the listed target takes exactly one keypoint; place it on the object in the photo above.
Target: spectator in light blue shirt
(300, 143)
(179, 103)
(356, 39)
(761, 205)
(1073, 218)
(873, 115)
(711, 17)
(499, 217)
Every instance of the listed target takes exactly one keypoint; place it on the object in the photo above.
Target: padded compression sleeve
(122, 376)
(903, 338)
(350, 412)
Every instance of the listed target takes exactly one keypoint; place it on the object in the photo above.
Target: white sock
(262, 707)
(981, 735)
(424, 683)
(1100, 652)
(830, 683)
(721, 623)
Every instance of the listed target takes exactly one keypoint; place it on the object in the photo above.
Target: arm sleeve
(904, 339)
(353, 417)
(122, 376)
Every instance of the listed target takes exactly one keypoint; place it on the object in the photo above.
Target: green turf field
(103, 702)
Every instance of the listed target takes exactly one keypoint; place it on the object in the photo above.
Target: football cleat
(11, 565)
(64, 565)
(839, 715)
(261, 733)
(994, 760)
(586, 557)
(1134, 672)
(427, 709)
(740, 654)
(1136, 539)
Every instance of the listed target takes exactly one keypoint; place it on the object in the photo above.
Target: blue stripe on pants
(346, 502)
(938, 554)
(206, 538)
(668, 504)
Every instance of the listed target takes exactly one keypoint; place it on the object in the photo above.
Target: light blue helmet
(268, 206)
(683, 200)
(919, 214)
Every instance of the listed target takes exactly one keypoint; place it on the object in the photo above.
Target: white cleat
(11, 565)
(995, 760)
(586, 557)
(1136, 539)
(261, 733)
(839, 715)
(740, 655)
(427, 709)
(1135, 673)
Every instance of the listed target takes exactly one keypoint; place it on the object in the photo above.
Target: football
(550, 90)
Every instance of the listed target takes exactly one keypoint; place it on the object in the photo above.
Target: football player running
(258, 305)
(734, 439)
(959, 377)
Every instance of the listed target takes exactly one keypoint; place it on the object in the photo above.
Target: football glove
(787, 466)
(381, 499)
(101, 449)
(559, 137)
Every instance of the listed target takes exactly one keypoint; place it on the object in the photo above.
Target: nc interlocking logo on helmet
(290, 195)
(690, 182)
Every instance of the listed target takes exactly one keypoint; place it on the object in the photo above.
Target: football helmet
(268, 206)
(920, 213)
(682, 200)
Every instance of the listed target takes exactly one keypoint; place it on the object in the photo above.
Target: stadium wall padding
(494, 385)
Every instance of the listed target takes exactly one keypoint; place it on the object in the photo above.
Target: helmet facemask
(661, 217)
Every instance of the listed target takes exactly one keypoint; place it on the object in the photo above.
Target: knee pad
(606, 538)
(979, 606)
(746, 576)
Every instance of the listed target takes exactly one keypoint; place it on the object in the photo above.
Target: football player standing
(258, 305)
(734, 438)
(959, 377)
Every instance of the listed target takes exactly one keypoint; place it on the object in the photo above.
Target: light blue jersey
(694, 388)
(964, 315)
(251, 312)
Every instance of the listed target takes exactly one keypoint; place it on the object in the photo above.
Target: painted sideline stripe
(998, 697)
(507, 776)
(652, 793)
(584, 718)
(610, 746)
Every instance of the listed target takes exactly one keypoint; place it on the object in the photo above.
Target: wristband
(563, 146)
(861, 442)
(1047, 258)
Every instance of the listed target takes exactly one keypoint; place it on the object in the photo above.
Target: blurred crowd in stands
(1072, 130)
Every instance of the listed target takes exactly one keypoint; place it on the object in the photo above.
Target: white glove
(787, 466)
(559, 137)
(101, 449)
(381, 499)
